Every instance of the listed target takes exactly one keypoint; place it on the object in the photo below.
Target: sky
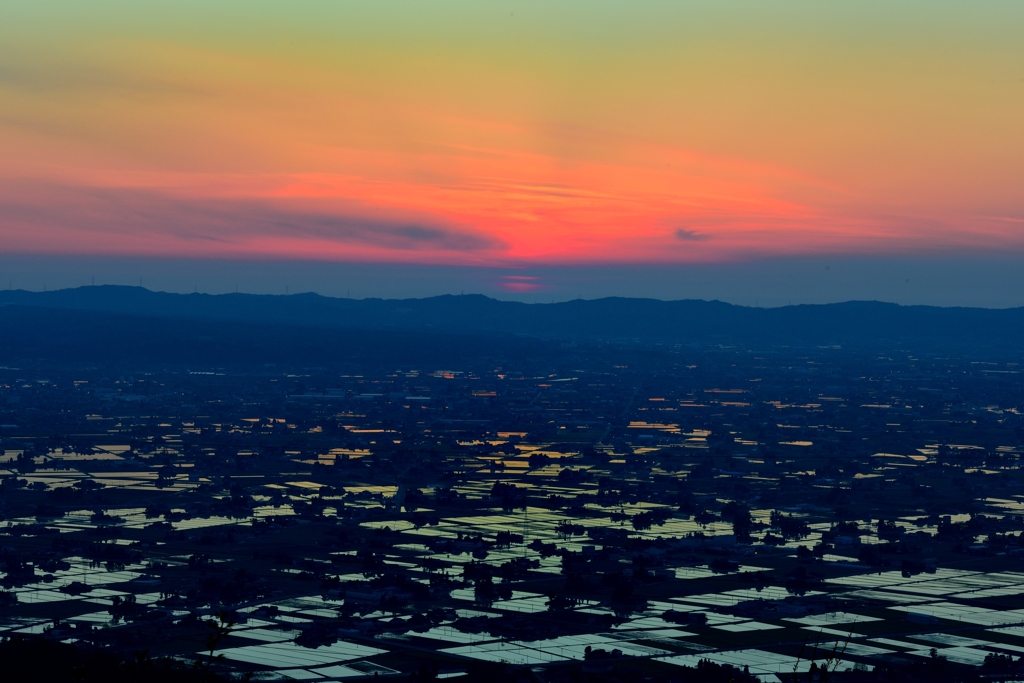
(544, 149)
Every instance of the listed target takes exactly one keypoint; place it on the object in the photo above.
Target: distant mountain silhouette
(686, 321)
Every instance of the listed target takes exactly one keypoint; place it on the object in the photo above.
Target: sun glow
(463, 134)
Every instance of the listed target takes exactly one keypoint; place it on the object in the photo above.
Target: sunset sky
(512, 135)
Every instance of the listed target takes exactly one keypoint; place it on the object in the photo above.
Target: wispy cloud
(520, 283)
(105, 218)
(690, 235)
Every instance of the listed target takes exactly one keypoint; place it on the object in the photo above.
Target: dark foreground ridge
(686, 321)
(34, 660)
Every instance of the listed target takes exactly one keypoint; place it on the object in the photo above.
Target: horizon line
(286, 295)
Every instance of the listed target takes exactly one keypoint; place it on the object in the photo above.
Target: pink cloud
(520, 284)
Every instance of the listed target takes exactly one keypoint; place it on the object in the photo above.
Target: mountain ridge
(685, 320)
